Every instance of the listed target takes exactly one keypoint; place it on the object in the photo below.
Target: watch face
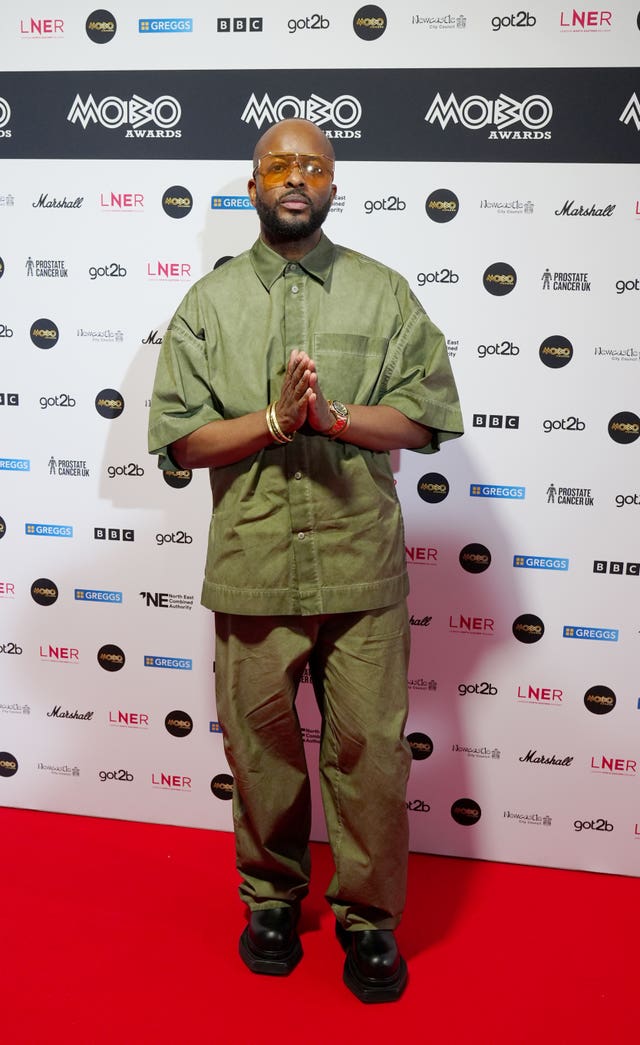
(339, 409)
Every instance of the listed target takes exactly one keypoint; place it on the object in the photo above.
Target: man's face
(295, 208)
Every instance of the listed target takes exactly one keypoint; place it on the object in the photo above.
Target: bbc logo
(102, 533)
(239, 25)
(496, 421)
(9, 399)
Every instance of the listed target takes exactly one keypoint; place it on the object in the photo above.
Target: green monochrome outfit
(306, 558)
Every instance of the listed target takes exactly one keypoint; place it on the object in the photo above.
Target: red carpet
(127, 933)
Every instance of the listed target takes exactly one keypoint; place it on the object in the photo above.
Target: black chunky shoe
(270, 944)
(374, 969)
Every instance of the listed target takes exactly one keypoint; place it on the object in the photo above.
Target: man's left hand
(319, 416)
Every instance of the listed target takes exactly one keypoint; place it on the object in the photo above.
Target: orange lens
(276, 168)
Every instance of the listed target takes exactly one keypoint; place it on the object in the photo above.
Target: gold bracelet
(279, 434)
(274, 426)
(274, 434)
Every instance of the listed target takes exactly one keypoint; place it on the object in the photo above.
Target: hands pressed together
(301, 398)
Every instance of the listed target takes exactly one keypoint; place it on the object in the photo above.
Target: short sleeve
(417, 379)
(182, 399)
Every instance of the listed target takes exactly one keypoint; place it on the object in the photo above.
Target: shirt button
(298, 475)
(301, 536)
(294, 290)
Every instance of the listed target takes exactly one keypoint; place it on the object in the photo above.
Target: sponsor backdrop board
(490, 155)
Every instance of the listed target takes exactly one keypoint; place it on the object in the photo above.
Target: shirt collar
(269, 265)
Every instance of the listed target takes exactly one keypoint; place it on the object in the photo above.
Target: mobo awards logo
(528, 628)
(466, 812)
(111, 657)
(499, 279)
(442, 205)
(624, 427)
(101, 26)
(178, 478)
(178, 723)
(109, 403)
(421, 746)
(44, 333)
(44, 591)
(475, 558)
(433, 487)
(8, 764)
(177, 201)
(369, 22)
(222, 786)
(599, 700)
(556, 351)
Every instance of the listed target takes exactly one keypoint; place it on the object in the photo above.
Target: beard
(293, 227)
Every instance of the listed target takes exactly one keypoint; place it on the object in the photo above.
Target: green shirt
(314, 526)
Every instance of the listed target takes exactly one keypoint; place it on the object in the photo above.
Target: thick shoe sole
(366, 989)
(370, 990)
(269, 963)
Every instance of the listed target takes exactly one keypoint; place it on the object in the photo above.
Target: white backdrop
(525, 750)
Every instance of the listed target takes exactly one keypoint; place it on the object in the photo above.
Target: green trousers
(358, 664)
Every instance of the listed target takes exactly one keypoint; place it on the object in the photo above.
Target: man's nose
(295, 175)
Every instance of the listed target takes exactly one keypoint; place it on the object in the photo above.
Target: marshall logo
(570, 210)
(476, 112)
(152, 338)
(344, 112)
(421, 622)
(546, 760)
(44, 201)
(58, 712)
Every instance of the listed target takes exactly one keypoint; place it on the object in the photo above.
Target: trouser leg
(359, 666)
(259, 661)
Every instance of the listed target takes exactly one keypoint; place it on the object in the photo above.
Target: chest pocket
(349, 365)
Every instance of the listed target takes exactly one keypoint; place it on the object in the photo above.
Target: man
(306, 551)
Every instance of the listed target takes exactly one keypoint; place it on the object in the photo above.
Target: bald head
(300, 136)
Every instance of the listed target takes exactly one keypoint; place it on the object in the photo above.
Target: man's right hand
(291, 408)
